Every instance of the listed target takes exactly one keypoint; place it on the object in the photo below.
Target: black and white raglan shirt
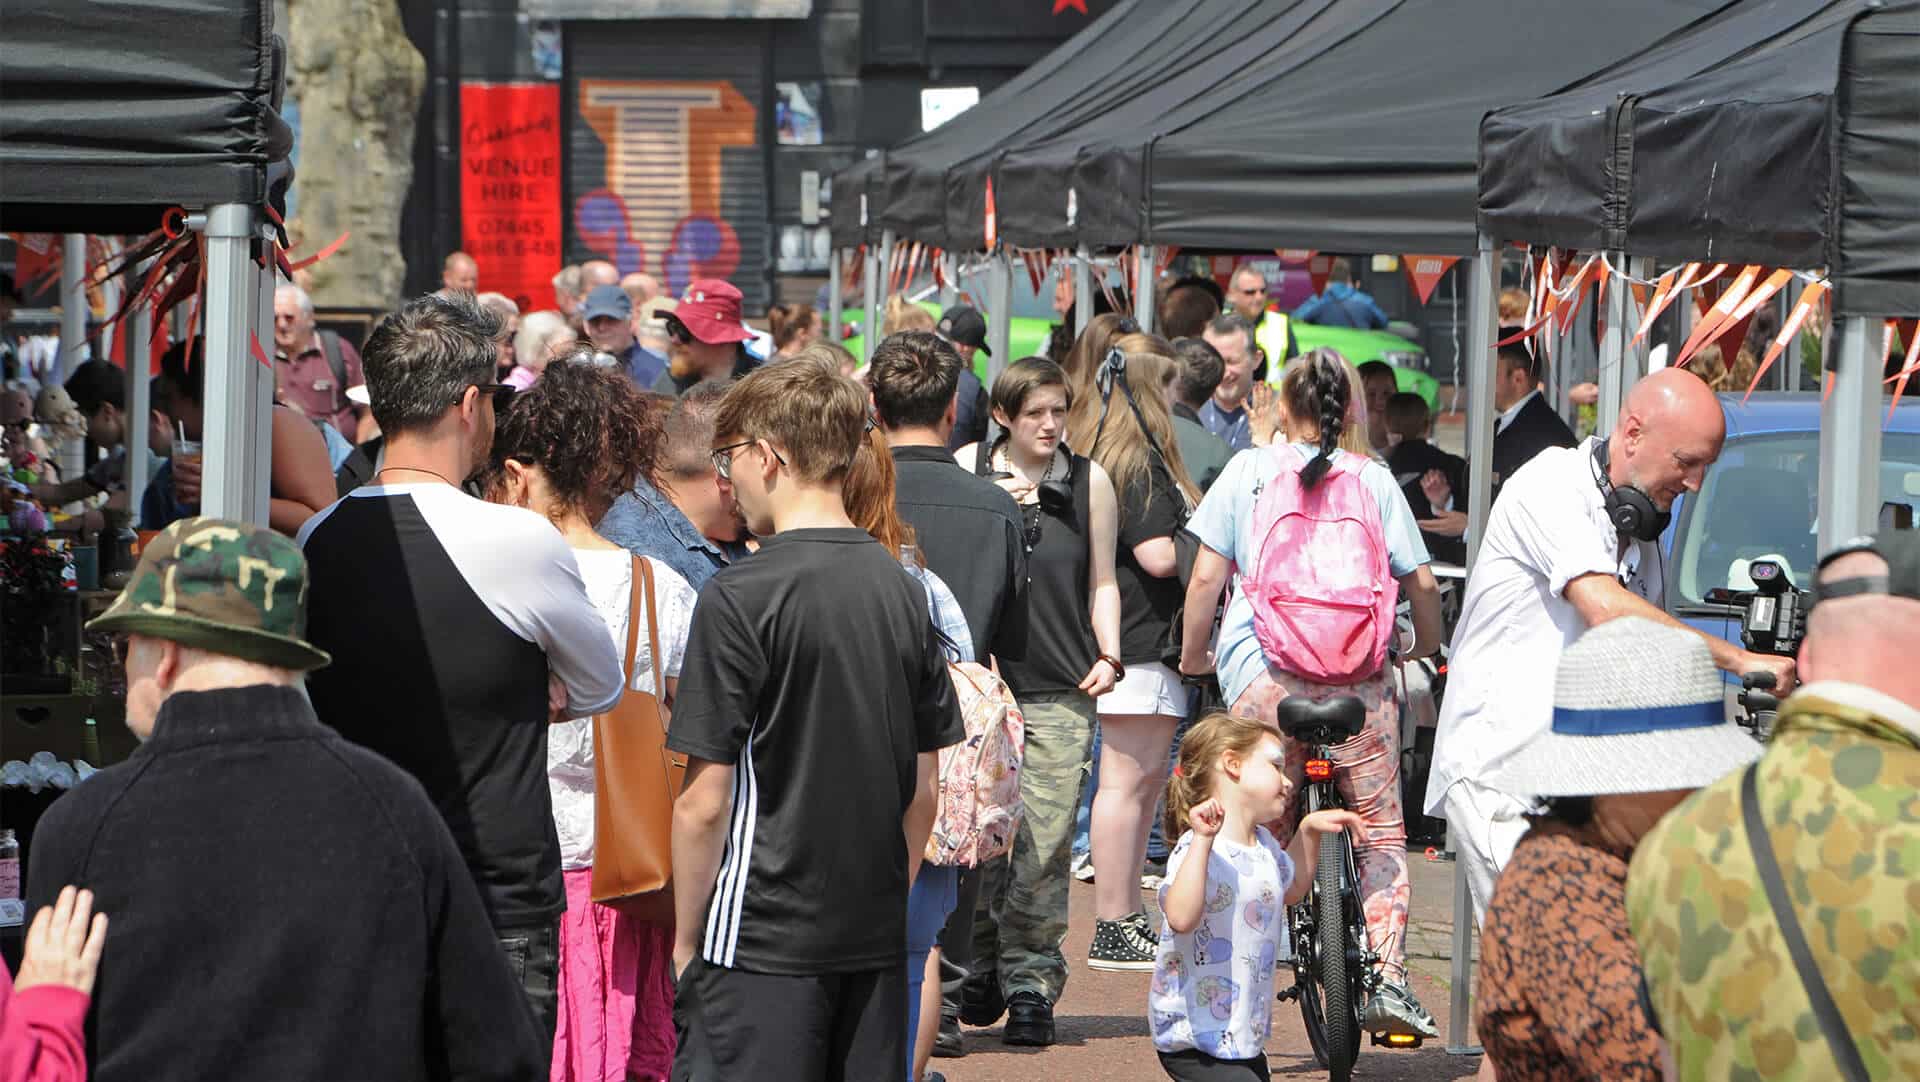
(444, 615)
(814, 671)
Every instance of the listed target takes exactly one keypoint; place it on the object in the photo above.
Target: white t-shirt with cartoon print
(1213, 986)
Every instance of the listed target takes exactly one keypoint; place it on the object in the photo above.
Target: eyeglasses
(723, 457)
(121, 644)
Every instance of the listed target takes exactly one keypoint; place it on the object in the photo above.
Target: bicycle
(1334, 964)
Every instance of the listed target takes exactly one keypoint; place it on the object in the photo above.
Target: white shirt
(1549, 527)
(1501, 422)
(609, 579)
(1213, 987)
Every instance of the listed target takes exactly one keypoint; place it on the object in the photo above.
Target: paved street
(1103, 1025)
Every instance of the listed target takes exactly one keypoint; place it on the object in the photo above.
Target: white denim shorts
(1150, 688)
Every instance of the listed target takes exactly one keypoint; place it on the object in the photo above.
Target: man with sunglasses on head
(459, 628)
(709, 341)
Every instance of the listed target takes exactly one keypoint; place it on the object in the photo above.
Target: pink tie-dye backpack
(979, 804)
(1321, 586)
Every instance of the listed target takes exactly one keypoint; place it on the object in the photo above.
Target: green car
(1028, 337)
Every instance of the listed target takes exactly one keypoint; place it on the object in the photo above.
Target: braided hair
(1316, 386)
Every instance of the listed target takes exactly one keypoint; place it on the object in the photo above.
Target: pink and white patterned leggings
(1368, 778)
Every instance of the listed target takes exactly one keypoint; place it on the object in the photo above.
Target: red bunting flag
(993, 219)
(1319, 265)
(1426, 272)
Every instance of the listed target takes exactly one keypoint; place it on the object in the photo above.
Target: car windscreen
(1761, 499)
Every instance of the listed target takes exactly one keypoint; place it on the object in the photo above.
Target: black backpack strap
(1832, 1026)
(330, 346)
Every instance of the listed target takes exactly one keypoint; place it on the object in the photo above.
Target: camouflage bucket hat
(225, 587)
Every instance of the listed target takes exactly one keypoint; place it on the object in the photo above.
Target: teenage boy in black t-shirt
(813, 705)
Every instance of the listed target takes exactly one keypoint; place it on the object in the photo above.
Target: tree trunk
(357, 81)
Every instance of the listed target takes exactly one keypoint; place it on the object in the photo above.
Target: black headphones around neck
(1629, 509)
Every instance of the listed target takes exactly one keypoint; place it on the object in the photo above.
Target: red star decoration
(1062, 5)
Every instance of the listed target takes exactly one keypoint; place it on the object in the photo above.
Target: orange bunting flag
(1802, 308)
(993, 220)
(1907, 368)
(1294, 255)
(1708, 327)
(1424, 270)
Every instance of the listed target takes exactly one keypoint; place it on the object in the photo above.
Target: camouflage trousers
(1022, 917)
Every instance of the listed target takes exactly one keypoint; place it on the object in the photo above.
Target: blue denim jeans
(1083, 818)
(928, 903)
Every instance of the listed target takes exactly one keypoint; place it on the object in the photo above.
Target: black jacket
(282, 904)
(1410, 461)
(971, 534)
(1534, 429)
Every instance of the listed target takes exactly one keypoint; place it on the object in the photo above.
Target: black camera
(1776, 618)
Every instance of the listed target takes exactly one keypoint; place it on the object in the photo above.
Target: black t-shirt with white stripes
(813, 670)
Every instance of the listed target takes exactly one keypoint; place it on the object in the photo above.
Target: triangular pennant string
(1907, 368)
(1802, 308)
(1709, 325)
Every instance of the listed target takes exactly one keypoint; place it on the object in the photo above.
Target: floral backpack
(979, 800)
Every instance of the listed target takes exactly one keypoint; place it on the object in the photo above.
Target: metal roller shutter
(667, 167)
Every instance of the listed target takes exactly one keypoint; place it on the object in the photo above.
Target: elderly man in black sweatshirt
(284, 904)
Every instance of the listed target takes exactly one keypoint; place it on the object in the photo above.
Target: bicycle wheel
(1340, 1020)
(1306, 977)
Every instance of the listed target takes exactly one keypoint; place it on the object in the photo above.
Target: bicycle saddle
(1336, 719)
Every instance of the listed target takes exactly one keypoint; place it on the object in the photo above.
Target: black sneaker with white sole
(1123, 944)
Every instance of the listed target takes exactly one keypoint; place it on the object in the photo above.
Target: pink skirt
(616, 993)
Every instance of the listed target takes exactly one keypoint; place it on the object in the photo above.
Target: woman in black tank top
(1071, 522)
(1071, 527)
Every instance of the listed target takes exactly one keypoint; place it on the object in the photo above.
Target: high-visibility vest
(1274, 336)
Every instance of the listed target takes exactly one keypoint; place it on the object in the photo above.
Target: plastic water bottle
(13, 911)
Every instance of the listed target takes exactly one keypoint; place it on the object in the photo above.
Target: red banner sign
(1426, 271)
(510, 187)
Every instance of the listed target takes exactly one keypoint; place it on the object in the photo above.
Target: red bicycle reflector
(1319, 770)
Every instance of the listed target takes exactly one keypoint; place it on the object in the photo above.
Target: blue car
(1760, 499)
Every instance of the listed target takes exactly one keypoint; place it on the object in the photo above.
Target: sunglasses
(501, 393)
(121, 645)
(723, 458)
(678, 331)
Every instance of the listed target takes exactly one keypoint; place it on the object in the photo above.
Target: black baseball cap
(1899, 548)
(964, 325)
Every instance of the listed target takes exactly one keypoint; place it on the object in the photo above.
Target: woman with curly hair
(566, 448)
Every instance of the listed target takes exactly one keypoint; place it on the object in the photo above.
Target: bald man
(459, 274)
(641, 287)
(597, 272)
(1572, 543)
(1836, 790)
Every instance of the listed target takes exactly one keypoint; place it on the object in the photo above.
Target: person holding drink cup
(301, 482)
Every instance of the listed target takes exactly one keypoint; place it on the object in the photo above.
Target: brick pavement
(1103, 1027)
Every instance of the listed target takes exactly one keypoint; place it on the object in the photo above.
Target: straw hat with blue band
(1638, 707)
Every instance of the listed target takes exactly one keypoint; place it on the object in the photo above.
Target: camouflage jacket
(1840, 791)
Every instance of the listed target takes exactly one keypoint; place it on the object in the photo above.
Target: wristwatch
(1119, 670)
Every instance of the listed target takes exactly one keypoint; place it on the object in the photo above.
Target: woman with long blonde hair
(1127, 428)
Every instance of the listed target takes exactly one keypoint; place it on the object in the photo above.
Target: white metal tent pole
(1613, 352)
(260, 465)
(1082, 291)
(1000, 312)
(833, 296)
(71, 453)
(886, 286)
(1143, 286)
(230, 456)
(1482, 299)
(870, 314)
(950, 280)
(1850, 435)
(139, 400)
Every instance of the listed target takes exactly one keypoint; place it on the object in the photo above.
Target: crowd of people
(821, 592)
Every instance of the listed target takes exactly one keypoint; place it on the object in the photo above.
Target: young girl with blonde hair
(1225, 895)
